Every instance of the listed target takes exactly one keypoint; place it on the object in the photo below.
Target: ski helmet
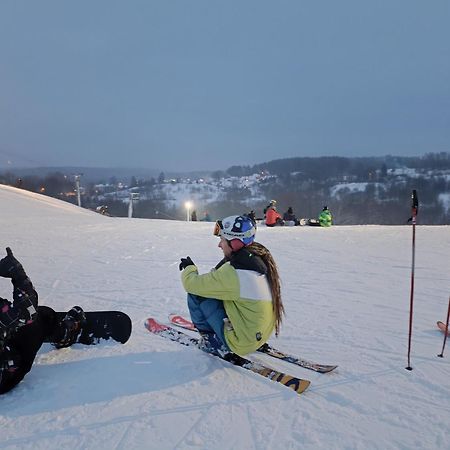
(241, 228)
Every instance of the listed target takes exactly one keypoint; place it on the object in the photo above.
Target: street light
(188, 206)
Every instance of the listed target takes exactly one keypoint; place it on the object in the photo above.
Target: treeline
(54, 184)
(334, 167)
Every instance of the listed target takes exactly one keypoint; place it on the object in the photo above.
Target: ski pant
(24, 344)
(208, 315)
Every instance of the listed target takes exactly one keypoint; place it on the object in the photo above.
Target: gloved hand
(186, 262)
(10, 267)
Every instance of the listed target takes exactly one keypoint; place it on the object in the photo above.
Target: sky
(184, 85)
(346, 292)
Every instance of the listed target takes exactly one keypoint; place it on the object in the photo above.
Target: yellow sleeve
(222, 284)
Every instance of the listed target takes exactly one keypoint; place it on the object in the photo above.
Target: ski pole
(415, 210)
(441, 355)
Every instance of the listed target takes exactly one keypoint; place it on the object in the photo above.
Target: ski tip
(325, 369)
(180, 321)
(299, 385)
(153, 326)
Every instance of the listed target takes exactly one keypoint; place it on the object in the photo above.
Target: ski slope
(346, 293)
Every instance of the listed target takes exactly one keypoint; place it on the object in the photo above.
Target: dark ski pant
(26, 342)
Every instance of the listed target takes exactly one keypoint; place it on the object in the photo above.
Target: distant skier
(290, 218)
(273, 217)
(252, 216)
(325, 217)
(237, 306)
(271, 204)
(24, 326)
(206, 217)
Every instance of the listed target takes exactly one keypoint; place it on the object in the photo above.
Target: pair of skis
(299, 385)
(266, 348)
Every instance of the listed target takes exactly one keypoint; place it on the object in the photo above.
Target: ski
(299, 385)
(180, 321)
(266, 349)
(443, 328)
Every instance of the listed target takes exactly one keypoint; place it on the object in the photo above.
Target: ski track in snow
(346, 293)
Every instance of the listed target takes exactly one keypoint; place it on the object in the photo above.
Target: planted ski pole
(441, 355)
(415, 210)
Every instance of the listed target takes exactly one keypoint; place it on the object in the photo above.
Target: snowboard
(442, 327)
(310, 222)
(105, 325)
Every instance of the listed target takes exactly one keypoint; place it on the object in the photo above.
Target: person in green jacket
(237, 306)
(325, 217)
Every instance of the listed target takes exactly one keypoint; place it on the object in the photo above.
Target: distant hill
(96, 174)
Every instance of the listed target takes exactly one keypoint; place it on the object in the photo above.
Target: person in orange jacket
(273, 217)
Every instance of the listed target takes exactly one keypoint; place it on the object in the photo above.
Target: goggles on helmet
(217, 227)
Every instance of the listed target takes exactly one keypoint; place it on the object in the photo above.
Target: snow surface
(346, 291)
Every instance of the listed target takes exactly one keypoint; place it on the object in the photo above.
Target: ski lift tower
(134, 196)
(77, 184)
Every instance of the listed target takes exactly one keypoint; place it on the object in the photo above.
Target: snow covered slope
(346, 293)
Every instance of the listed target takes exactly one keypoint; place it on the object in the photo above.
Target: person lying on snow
(237, 306)
(25, 326)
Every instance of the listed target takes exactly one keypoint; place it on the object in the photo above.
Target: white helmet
(236, 227)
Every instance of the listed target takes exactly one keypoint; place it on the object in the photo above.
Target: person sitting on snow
(25, 326)
(273, 217)
(290, 218)
(325, 217)
(237, 306)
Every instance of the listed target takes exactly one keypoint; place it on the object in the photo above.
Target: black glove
(186, 262)
(11, 268)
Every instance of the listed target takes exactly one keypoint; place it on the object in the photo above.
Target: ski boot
(210, 343)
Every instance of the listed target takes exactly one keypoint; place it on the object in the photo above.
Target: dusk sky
(201, 84)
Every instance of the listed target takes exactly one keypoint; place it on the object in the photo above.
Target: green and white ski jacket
(246, 297)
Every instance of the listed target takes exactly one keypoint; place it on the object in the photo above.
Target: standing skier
(24, 326)
(237, 306)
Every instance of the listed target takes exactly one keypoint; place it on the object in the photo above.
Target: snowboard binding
(71, 326)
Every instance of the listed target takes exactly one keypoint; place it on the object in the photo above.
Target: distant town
(356, 190)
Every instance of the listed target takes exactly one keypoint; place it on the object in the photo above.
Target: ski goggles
(217, 228)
